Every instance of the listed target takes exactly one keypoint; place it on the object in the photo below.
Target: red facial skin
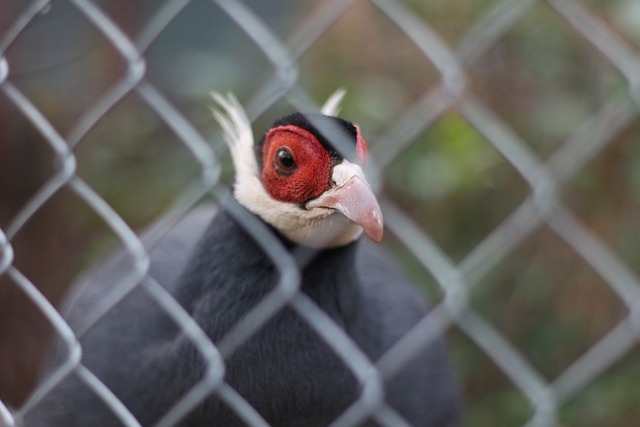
(311, 175)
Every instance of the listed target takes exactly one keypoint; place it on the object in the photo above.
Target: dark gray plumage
(285, 371)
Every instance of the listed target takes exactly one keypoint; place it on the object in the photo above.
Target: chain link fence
(449, 89)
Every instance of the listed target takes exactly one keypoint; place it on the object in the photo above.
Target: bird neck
(328, 270)
(230, 273)
(329, 279)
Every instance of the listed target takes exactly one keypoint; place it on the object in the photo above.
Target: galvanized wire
(542, 205)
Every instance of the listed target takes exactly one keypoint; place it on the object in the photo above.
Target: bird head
(305, 177)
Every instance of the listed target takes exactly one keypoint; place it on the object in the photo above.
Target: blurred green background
(541, 78)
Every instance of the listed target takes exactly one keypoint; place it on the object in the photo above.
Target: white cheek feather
(314, 227)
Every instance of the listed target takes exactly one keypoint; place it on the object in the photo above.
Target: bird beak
(355, 200)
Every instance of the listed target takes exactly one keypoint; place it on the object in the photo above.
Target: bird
(304, 186)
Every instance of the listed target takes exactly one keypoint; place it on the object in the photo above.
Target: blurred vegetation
(541, 78)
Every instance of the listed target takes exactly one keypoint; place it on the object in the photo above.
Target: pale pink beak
(355, 200)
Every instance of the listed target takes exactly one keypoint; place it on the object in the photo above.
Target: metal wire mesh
(542, 206)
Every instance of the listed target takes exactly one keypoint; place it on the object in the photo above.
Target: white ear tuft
(332, 106)
(237, 134)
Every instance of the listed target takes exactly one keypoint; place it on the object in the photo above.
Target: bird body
(218, 272)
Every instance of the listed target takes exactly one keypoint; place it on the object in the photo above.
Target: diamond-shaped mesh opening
(132, 156)
(21, 143)
(504, 405)
(551, 81)
(63, 64)
(84, 231)
(385, 75)
(515, 298)
(603, 195)
(202, 49)
(452, 162)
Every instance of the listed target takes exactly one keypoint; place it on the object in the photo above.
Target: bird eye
(284, 161)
